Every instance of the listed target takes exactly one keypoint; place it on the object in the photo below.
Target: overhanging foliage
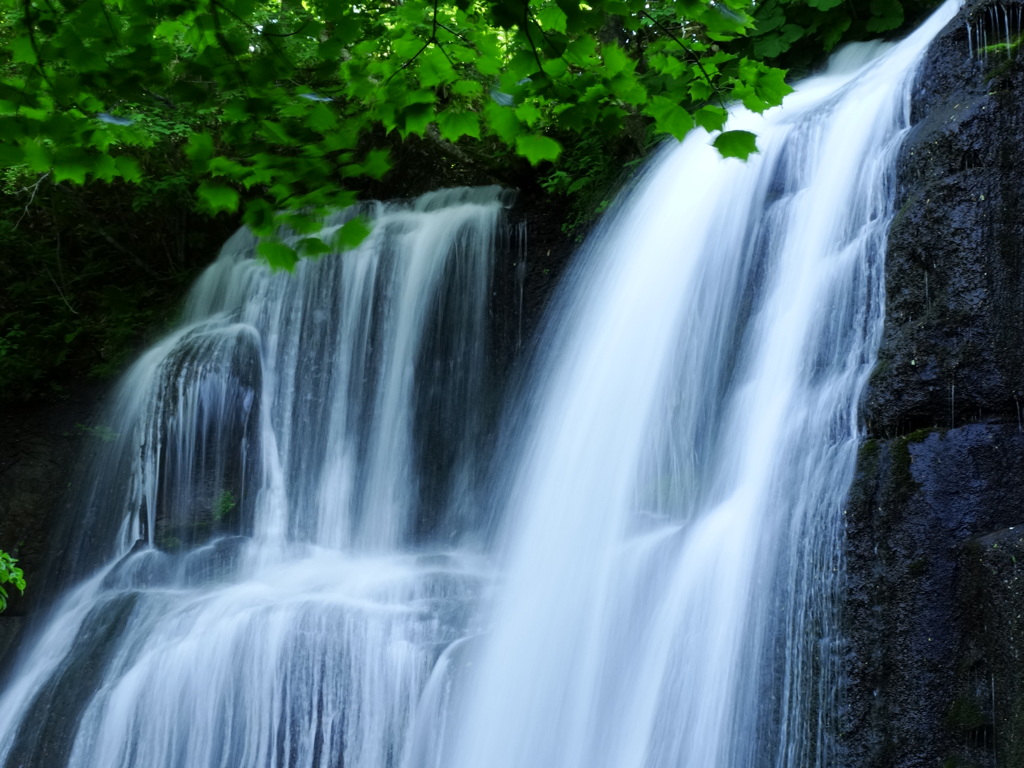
(280, 107)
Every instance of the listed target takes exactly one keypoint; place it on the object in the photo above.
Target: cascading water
(286, 551)
(262, 601)
(674, 532)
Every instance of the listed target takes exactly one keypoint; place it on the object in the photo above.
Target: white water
(307, 455)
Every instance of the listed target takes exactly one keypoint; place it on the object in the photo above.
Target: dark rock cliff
(39, 445)
(934, 595)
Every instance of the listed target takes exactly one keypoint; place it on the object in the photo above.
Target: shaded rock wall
(932, 671)
(39, 446)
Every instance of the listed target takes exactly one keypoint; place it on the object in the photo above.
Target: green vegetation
(86, 273)
(867, 454)
(10, 574)
(272, 108)
(901, 482)
(224, 504)
(1005, 46)
(287, 107)
(168, 543)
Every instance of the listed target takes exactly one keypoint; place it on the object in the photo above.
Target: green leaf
(218, 197)
(416, 118)
(128, 169)
(770, 46)
(489, 63)
(377, 163)
(750, 99)
(104, 169)
(460, 53)
(169, 28)
(278, 255)
(276, 133)
(669, 117)
(259, 217)
(724, 23)
(223, 166)
(555, 68)
(199, 147)
(313, 247)
(467, 88)
(700, 89)
(824, 5)
(886, 15)
(667, 65)
(421, 96)
(793, 32)
(69, 170)
(579, 184)
(552, 18)
(739, 144)
(322, 118)
(537, 148)
(351, 235)
(772, 87)
(522, 66)
(579, 17)
(769, 15)
(434, 68)
(454, 125)
(528, 113)
(23, 51)
(711, 118)
(502, 122)
(582, 50)
(578, 117)
(506, 13)
(833, 33)
(37, 157)
(615, 59)
(626, 87)
(10, 155)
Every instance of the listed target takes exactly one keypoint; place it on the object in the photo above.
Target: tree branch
(529, 38)
(407, 63)
(32, 197)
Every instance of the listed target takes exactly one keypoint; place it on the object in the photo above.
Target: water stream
(307, 543)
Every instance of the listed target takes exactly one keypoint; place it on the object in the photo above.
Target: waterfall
(266, 540)
(673, 534)
(307, 545)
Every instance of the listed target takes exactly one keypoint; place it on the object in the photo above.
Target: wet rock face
(209, 447)
(38, 446)
(988, 705)
(917, 505)
(953, 350)
(934, 648)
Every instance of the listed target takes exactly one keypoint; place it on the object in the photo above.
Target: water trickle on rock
(995, 31)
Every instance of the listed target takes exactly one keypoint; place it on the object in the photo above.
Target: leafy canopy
(284, 107)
